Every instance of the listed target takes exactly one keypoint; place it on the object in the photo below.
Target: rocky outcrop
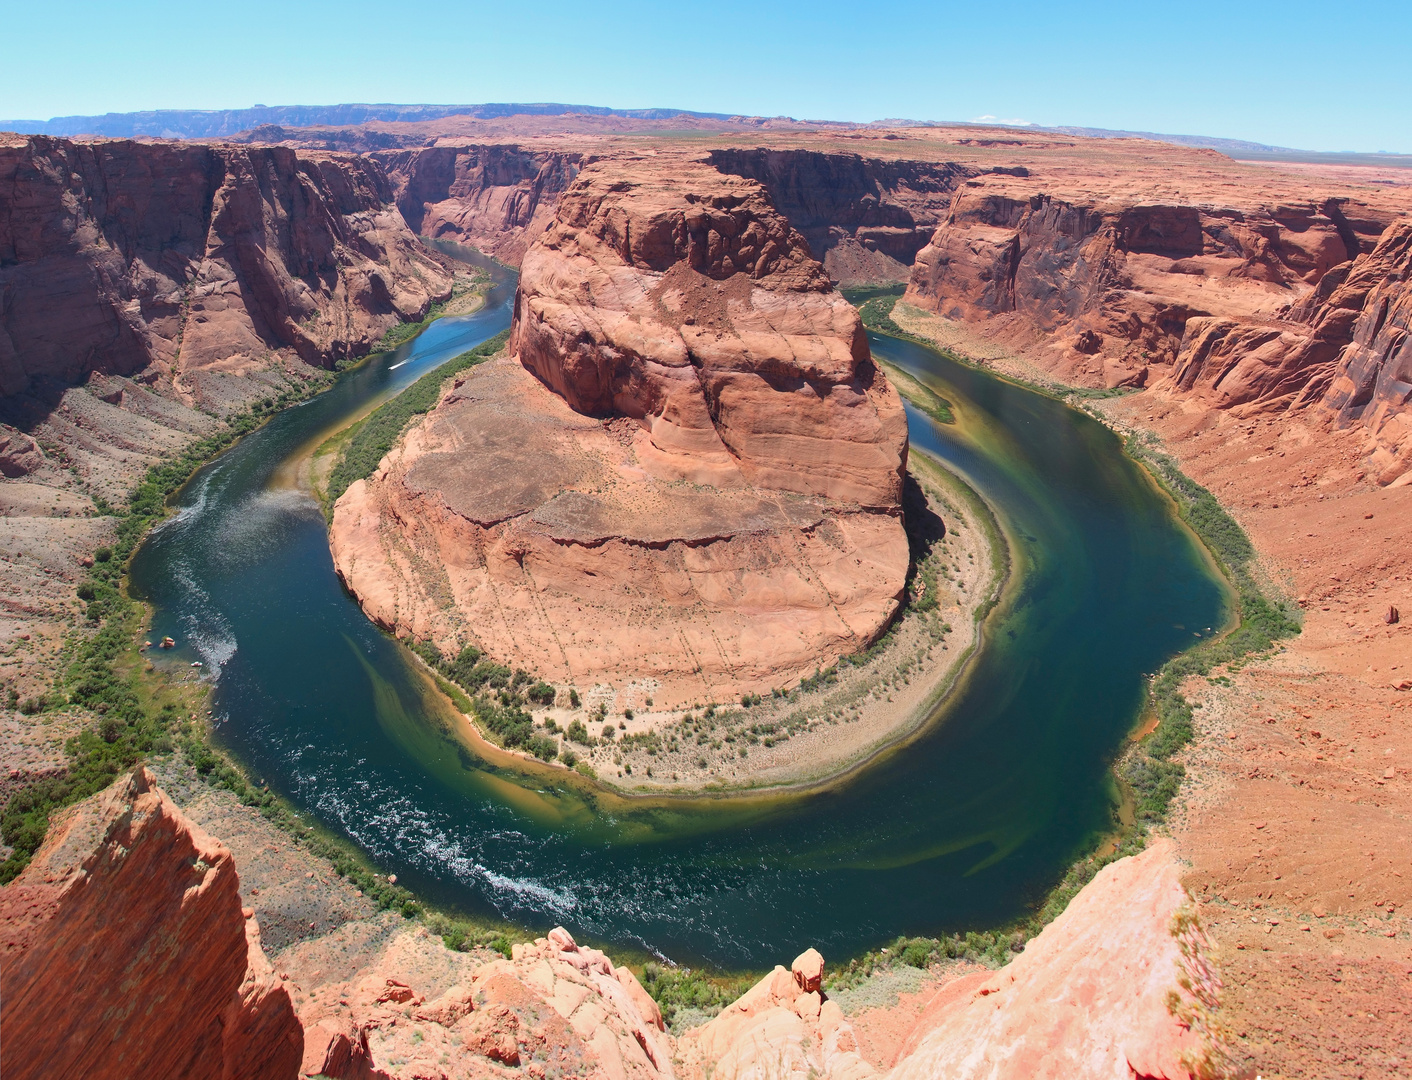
(1342, 349)
(126, 952)
(185, 263)
(866, 218)
(1103, 284)
(555, 1008)
(783, 1027)
(493, 197)
(689, 471)
(1119, 986)
(680, 299)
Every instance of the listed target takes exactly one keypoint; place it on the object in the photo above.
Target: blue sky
(1316, 76)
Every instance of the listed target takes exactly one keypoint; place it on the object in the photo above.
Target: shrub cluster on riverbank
(1148, 768)
(99, 675)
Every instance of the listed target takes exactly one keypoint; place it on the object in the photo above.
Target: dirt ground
(1296, 815)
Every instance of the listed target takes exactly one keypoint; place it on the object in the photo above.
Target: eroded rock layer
(490, 196)
(126, 953)
(689, 470)
(187, 263)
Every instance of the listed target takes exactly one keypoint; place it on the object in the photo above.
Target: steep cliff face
(678, 297)
(1342, 349)
(495, 197)
(1121, 985)
(181, 262)
(1102, 287)
(127, 953)
(866, 218)
(689, 471)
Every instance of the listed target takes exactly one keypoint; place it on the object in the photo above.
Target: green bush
(541, 693)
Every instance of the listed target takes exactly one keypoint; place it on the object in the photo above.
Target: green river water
(969, 826)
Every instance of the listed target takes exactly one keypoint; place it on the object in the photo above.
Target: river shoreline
(857, 718)
(495, 796)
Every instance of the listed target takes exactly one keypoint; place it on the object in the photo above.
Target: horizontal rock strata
(189, 264)
(689, 470)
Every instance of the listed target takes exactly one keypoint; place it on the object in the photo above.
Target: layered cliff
(1101, 284)
(493, 197)
(126, 953)
(688, 470)
(1343, 349)
(865, 217)
(187, 264)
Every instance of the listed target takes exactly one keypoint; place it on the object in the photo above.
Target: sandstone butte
(127, 953)
(687, 468)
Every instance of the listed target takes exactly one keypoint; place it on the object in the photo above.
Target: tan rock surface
(126, 952)
(420, 1010)
(1088, 996)
(780, 1027)
(704, 488)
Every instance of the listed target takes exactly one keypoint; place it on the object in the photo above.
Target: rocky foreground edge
(127, 952)
(688, 469)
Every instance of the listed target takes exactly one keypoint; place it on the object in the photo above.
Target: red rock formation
(184, 261)
(708, 497)
(1110, 279)
(865, 218)
(782, 1028)
(1343, 348)
(494, 197)
(679, 298)
(556, 1007)
(126, 953)
(1092, 996)
(1088, 997)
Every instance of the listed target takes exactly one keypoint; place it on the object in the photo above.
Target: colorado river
(969, 825)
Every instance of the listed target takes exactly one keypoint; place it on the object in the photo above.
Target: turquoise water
(975, 821)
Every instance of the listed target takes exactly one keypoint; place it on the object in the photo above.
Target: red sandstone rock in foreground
(556, 1008)
(126, 953)
(1087, 998)
(782, 1028)
(699, 483)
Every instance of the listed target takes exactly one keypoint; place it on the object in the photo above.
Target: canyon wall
(187, 264)
(865, 218)
(1110, 282)
(1249, 306)
(126, 953)
(687, 471)
(493, 197)
(1344, 349)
